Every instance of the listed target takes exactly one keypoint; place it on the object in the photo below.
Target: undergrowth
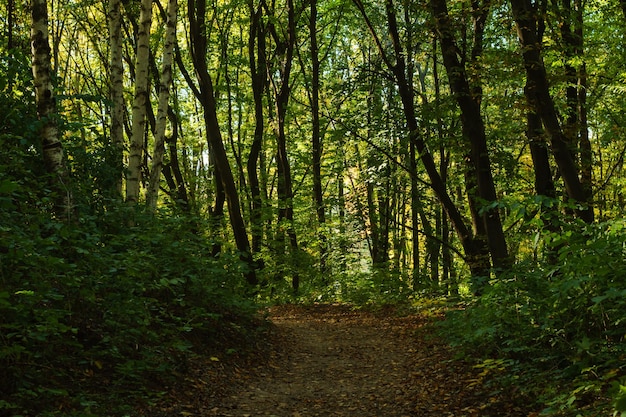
(96, 316)
(556, 330)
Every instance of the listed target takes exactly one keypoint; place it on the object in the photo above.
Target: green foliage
(96, 314)
(80, 304)
(561, 322)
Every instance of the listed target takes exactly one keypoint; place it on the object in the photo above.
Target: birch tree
(133, 178)
(162, 110)
(47, 111)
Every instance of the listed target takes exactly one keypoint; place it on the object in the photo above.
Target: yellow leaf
(98, 364)
(215, 359)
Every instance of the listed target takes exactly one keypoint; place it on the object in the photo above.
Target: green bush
(563, 322)
(97, 314)
(95, 310)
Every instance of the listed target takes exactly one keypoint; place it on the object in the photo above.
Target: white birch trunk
(47, 110)
(138, 127)
(116, 79)
(161, 117)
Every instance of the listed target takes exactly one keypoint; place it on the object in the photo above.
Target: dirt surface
(330, 360)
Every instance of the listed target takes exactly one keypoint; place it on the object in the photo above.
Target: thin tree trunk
(258, 72)
(180, 191)
(478, 264)
(10, 46)
(316, 142)
(586, 153)
(52, 147)
(575, 126)
(138, 128)
(285, 186)
(116, 91)
(197, 10)
(162, 110)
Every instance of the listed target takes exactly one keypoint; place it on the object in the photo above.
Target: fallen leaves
(332, 361)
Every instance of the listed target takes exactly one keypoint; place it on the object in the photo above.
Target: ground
(332, 360)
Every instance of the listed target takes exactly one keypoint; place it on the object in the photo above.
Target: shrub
(566, 319)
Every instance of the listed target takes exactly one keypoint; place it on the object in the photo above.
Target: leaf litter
(333, 360)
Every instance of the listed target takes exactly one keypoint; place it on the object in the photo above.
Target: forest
(169, 168)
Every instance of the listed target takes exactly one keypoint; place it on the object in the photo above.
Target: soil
(331, 360)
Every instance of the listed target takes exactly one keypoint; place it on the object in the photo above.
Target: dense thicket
(152, 186)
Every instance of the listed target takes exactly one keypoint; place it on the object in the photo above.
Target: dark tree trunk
(575, 127)
(474, 133)
(258, 70)
(182, 198)
(479, 266)
(316, 140)
(540, 98)
(285, 50)
(197, 11)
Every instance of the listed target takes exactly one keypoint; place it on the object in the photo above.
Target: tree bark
(179, 188)
(116, 92)
(541, 100)
(477, 262)
(575, 127)
(285, 49)
(139, 112)
(258, 72)
(45, 100)
(197, 11)
(162, 110)
(474, 133)
(316, 140)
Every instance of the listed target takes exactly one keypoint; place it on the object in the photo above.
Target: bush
(564, 323)
(87, 315)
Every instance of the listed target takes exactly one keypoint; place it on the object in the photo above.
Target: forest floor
(331, 360)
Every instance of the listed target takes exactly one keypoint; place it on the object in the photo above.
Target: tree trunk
(138, 128)
(116, 92)
(283, 90)
(316, 141)
(541, 100)
(45, 100)
(474, 132)
(258, 73)
(162, 110)
(179, 189)
(479, 266)
(197, 11)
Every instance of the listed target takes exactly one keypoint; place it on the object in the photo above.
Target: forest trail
(339, 362)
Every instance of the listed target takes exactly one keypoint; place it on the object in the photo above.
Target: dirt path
(339, 362)
(342, 361)
(329, 360)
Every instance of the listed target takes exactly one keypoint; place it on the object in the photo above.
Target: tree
(285, 41)
(539, 95)
(52, 147)
(316, 140)
(196, 14)
(116, 90)
(473, 130)
(476, 255)
(162, 111)
(258, 73)
(140, 103)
